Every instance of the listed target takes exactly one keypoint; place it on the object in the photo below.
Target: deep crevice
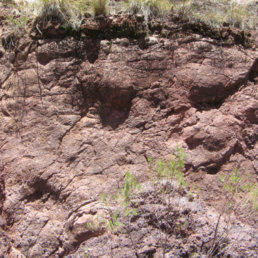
(115, 106)
(2, 188)
(111, 103)
(213, 98)
(253, 75)
(41, 189)
(92, 50)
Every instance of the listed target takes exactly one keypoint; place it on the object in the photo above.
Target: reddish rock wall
(77, 114)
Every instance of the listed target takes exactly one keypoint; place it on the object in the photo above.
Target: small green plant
(103, 197)
(128, 212)
(195, 255)
(124, 199)
(232, 181)
(196, 189)
(161, 168)
(18, 25)
(173, 168)
(150, 159)
(18, 22)
(129, 188)
(114, 223)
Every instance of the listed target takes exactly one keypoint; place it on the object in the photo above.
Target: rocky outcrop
(174, 227)
(76, 114)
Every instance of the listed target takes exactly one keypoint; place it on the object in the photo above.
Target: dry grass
(99, 7)
(242, 14)
(148, 8)
(218, 12)
(67, 11)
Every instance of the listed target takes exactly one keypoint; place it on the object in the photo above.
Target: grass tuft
(149, 8)
(65, 11)
(99, 7)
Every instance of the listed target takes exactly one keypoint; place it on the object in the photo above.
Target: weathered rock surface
(176, 227)
(77, 114)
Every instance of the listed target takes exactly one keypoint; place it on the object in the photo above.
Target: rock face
(77, 114)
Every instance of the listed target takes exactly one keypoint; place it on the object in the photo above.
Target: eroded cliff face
(76, 114)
